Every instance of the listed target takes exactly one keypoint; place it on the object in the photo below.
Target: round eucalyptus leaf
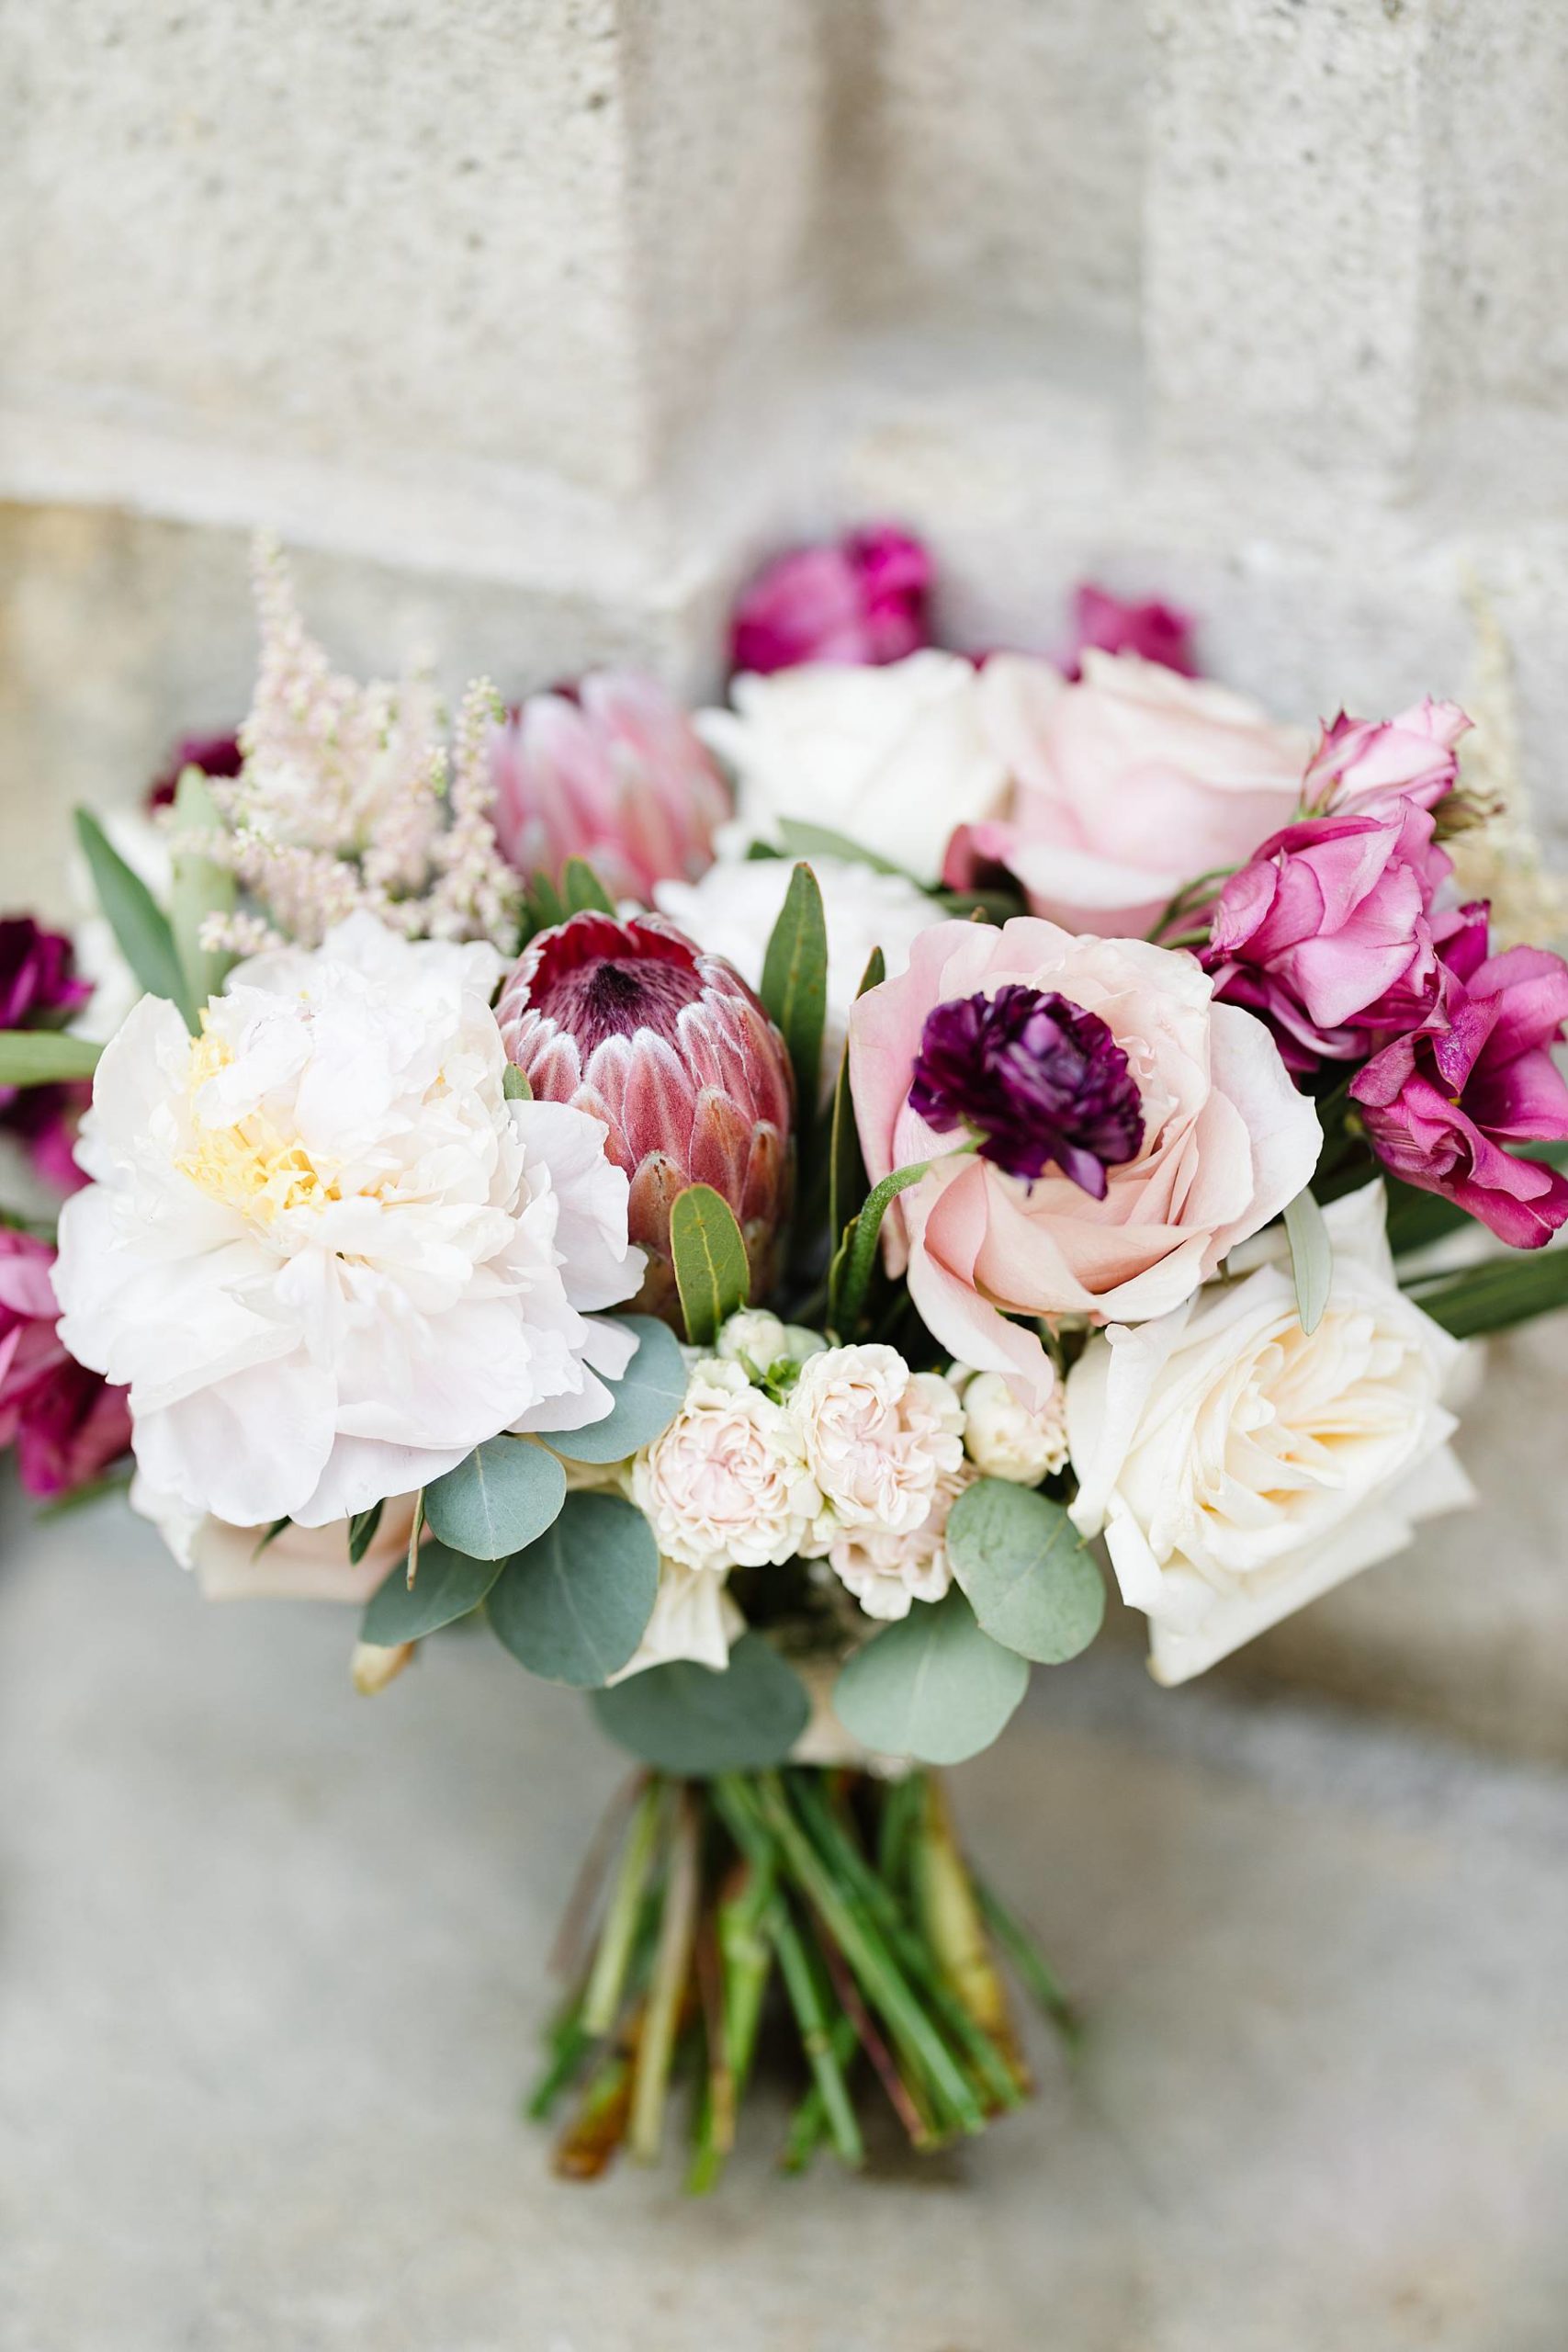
(1022, 1563)
(649, 1395)
(446, 1585)
(505, 1493)
(574, 1606)
(686, 1718)
(934, 1686)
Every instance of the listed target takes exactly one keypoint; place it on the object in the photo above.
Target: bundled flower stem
(852, 1894)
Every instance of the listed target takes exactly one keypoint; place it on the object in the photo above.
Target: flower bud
(1004, 1439)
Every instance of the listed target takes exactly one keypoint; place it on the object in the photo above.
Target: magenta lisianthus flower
(1329, 932)
(862, 600)
(66, 1423)
(611, 771)
(1410, 756)
(1106, 624)
(1037, 1078)
(40, 989)
(673, 1051)
(1443, 1104)
(214, 754)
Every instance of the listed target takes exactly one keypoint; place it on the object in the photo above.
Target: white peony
(732, 910)
(726, 1484)
(326, 1253)
(895, 757)
(693, 1618)
(1005, 1438)
(1239, 1468)
(879, 1437)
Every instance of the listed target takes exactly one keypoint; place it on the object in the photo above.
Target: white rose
(896, 757)
(886, 1572)
(1239, 1468)
(732, 910)
(726, 1484)
(1006, 1439)
(323, 1250)
(693, 1618)
(879, 1437)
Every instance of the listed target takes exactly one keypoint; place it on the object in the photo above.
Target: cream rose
(1005, 1438)
(879, 1437)
(1238, 1468)
(727, 1485)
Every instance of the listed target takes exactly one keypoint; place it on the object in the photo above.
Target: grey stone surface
(272, 1959)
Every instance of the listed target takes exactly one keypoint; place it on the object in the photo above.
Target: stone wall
(528, 322)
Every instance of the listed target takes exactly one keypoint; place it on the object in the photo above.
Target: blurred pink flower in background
(1103, 623)
(610, 771)
(66, 1423)
(213, 755)
(40, 989)
(861, 599)
(1412, 755)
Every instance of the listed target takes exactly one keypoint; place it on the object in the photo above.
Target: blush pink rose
(1226, 1142)
(1124, 785)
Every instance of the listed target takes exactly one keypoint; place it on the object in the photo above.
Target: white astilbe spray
(1500, 860)
(342, 803)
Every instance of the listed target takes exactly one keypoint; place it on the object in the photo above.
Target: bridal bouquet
(740, 1204)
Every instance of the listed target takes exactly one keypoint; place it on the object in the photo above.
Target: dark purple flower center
(596, 977)
(1035, 1078)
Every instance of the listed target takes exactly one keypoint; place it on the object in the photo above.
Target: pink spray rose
(66, 1423)
(1125, 786)
(1412, 756)
(1184, 1104)
(1106, 624)
(613, 773)
(1330, 931)
(1442, 1104)
(861, 599)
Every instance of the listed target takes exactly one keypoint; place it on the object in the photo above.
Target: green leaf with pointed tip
(648, 1395)
(794, 985)
(574, 1606)
(1497, 1293)
(514, 1086)
(934, 1686)
(802, 839)
(44, 1057)
(711, 1271)
(1022, 1565)
(544, 902)
(689, 1719)
(1312, 1259)
(581, 889)
(198, 888)
(362, 1532)
(135, 918)
(846, 1170)
(501, 1496)
(447, 1586)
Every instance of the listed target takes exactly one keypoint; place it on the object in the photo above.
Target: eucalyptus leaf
(44, 1057)
(574, 1606)
(199, 888)
(514, 1086)
(362, 1532)
(794, 984)
(689, 1719)
(447, 1586)
(1496, 1293)
(1022, 1565)
(134, 916)
(1311, 1258)
(505, 1493)
(648, 1395)
(934, 1686)
(582, 890)
(711, 1271)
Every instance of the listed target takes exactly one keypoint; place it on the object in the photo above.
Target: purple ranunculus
(213, 755)
(1106, 624)
(67, 1423)
(860, 600)
(1443, 1104)
(39, 989)
(1362, 760)
(1329, 932)
(1036, 1078)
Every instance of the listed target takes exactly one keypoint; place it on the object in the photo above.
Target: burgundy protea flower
(610, 770)
(1035, 1077)
(670, 1049)
(861, 599)
(39, 989)
(213, 755)
(67, 1423)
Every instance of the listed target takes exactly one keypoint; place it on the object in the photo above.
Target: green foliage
(134, 916)
(855, 1260)
(199, 889)
(362, 1532)
(685, 1718)
(846, 1169)
(711, 1271)
(803, 839)
(44, 1057)
(515, 1085)
(1311, 1258)
(574, 1606)
(1022, 1565)
(1496, 1295)
(505, 1493)
(581, 890)
(794, 985)
(649, 1395)
(447, 1586)
(934, 1686)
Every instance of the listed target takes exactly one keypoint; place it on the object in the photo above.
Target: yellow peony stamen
(248, 1164)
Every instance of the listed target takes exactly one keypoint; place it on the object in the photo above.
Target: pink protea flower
(39, 989)
(862, 600)
(610, 771)
(66, 1423)
(1443, 1104)
(1106, 624)
(671, 1049)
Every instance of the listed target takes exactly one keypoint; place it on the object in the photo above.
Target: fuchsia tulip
(1443, 1104)
(862, 600)
(612, 772)
(669, 1048)
(66, 1423)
